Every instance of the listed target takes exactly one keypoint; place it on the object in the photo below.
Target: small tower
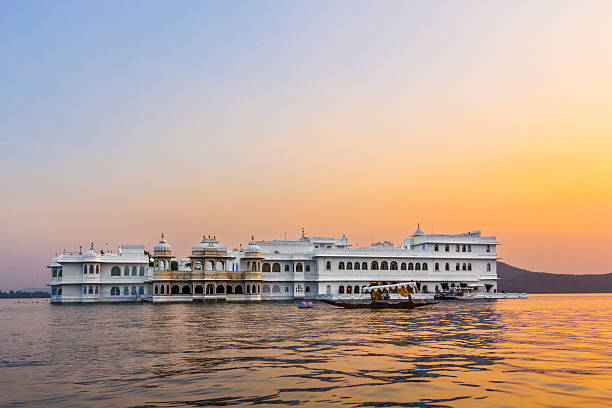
(162, 255)
(251, 261)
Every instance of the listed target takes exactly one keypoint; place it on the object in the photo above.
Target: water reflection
(543, 351)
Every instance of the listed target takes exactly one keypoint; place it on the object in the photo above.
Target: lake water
(547, 350)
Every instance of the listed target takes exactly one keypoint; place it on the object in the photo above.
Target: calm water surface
(547, 350)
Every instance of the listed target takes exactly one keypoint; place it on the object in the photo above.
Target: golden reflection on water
(547, 350)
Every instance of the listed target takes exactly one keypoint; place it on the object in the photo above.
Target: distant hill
(32, 290)
(513, 279)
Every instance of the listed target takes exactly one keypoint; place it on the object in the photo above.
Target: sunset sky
(122, 120)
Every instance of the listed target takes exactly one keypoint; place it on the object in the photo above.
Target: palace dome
(418, 232)
(91, 252)
(162, 247)
(207, 245)
(252, 248)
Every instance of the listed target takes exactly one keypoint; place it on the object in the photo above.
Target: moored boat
(395, 296)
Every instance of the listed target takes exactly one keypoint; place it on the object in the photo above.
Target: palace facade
(304, 268)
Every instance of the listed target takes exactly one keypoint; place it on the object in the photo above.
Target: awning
(383, 287)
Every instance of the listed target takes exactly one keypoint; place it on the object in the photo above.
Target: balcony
(206, 275)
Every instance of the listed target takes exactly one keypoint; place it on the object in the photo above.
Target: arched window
(265, 267)
(238, 289)
(299, 267)
(341, 289)
(437, 266)
(253, 289)
(357, 266)
(462, 248)
(115, 271)
(410, 266)
(469, 248)
(356, 289)
(134, 292)
(417, 266)
(464, 267)
(307, 267)
(447, 267)
(328, 265)
(384, 266)
(488, 248)
(341, 265)
(162, 289)
(457, 267)
(446, 248)
(156, 290)
(96, 290)
(228, 289)
(220, 289)
(307, 289)
(436, 247)
(488, 267)
(186, 290)
(84, 290)
(424, 266)
(425, 289)
(134, 271)
(286, 289)
(469, 267)
(349, 265)
(91, 290)
(91, 269)
(349, 290)
(248, 289)
(393, 266)
(84, 269)
(210, 289)
(364, 266)
(254, 266)
(126, 271)
(286, 268)
(328, 289)
(141, 290)
(457, 248)
(210, 265)
(97, 269)
(220, 266)
(115, 291)
(126, 291)
(403, 266)
(266, 289)
(275, 289)
(275, 267)
(174, 290)
(374, 266)
(141, 271)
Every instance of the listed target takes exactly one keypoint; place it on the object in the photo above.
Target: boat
(445, 295)
(395, 296)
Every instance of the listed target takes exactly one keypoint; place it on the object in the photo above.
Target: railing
(109, 295)
(212, 275)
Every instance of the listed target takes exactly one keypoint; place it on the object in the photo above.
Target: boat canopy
(476, 285)
(405, 285)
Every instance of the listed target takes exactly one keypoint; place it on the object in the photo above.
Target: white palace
(305, 268)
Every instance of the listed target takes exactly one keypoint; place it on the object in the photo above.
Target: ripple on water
(542, 351)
